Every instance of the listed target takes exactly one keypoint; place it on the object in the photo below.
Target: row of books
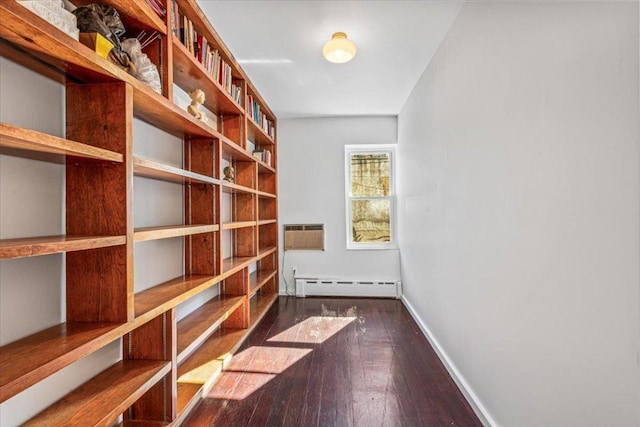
(203, 52)
(157, 7)
(253, 109)
(262, 155)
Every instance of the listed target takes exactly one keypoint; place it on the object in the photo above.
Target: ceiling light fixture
(339, 49)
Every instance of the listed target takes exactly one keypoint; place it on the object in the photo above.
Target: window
(370, 196)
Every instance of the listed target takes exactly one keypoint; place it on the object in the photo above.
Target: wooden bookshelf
(102, 399)
(155, 170)
(167, 364)
(199, 325)
(29, 141)
(155, 233)
(35, 246)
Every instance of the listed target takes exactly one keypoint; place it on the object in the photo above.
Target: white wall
(311, 186)
(519, 179)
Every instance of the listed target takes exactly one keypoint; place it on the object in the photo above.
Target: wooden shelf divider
(234, 264)
(139, 10)
(238, 224)
(18, 138)
(260, 304)
(156, 233)
(35, 246)
(188, 72)
(158, 299)
(33, 358)
(256, 134)
(257, 280)
(102, 399)
(230, 187)
(194, 329)
(155, 170)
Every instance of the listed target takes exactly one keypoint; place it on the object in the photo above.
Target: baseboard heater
(346, 288)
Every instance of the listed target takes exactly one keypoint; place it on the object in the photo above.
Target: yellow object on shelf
(97, 42)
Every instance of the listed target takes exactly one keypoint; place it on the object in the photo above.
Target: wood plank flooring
(334, 362)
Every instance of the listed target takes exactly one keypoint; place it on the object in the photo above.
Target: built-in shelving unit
(168, 361)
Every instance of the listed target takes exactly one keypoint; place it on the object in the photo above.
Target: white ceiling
(279, 44)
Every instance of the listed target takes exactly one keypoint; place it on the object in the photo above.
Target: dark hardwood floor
(335, 362)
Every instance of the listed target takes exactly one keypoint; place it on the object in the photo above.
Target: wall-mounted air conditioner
(304, 237)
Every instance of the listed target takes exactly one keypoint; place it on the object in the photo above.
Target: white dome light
(339, 49)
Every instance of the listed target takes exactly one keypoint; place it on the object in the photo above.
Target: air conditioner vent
(304, 237)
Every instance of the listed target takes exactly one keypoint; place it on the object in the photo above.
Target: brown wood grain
(155, 170)
(258, 279)
(267, 208)
(377, 369)
(30, 140)
(194, 329)
(189, 74)
(232, 188)
(137, 11)
(158, 299)
(232, 151)
(244, 242)
(268, 235)
(99, 199)
(201, 156)
(34, 246)
(154, 340)
(232, 126)
(100, 401)
(267, 183)
(232, 265)
(33, 358)
(236, 284)
(245, 173)
(156, 233)
(256, 134)
(238, 224)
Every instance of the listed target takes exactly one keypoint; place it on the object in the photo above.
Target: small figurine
(229, 174)
(197, 99)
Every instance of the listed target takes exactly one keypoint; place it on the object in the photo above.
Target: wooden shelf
(263, 252)
(101, 400)
(198, 372)
(203, 343)
(232, 151)
(154, 301)
(266, 195)
(194, 329)
(260, 304)
(257, 280)
(265, 168)
(256, 134)
(234, 264)
(50, 148)
(154, 170)
(238, 224)
(141, 423)
(156, 233)
(31, 359)
(35, 246)
(230, 187)
(136, 10)
(189, 73)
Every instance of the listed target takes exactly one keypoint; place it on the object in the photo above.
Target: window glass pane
(370, 221)
(370, 174)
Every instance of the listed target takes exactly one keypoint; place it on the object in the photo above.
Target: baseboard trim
(465, 388)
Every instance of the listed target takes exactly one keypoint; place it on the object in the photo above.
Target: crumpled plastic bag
(105, 20)
(143, 69)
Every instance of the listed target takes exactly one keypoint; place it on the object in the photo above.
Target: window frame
(389, 149)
